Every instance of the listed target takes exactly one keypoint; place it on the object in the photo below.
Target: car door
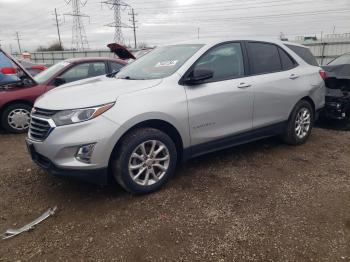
(220, 106)
(84, 70)
(274, 81)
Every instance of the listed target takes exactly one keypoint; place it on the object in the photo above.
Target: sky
(163, 22)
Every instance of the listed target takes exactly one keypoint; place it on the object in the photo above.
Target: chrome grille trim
(40, 128)
(40, 112)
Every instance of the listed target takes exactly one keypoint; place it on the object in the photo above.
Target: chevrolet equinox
(176, 102)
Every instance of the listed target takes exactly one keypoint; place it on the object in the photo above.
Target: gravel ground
(264, 201)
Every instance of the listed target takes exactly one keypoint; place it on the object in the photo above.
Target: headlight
(67, 117)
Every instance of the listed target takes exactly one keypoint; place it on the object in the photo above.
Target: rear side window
(264, 58)
(286, 60)
(305, 54)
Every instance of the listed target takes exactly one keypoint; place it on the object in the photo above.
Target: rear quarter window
(264, 58)
(304, 53)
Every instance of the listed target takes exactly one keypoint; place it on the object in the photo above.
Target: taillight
(8, 70)
(323, 74)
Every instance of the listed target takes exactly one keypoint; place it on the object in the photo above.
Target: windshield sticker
(166, 63)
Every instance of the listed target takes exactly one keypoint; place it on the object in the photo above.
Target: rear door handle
(293, 76)
(243, 85)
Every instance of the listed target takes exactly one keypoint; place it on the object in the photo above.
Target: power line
(117, 24)
(229, 8)
(18, 42)
(268, 16)
(58, 30)
(79, 38)
(133, 21)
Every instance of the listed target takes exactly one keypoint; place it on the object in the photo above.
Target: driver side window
(226, 62)
(85, 70)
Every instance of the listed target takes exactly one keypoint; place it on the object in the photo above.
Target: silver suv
(175, 103)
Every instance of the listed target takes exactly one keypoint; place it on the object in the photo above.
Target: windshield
(51, 71)
(159, 63)
(341, 60)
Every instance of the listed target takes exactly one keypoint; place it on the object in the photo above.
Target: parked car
(174, 103)
(338, 88)
(17, 99)
(31, 67)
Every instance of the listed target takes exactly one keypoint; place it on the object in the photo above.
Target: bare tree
(52, 47)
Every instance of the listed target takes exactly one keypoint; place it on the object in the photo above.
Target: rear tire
(144, 161)
(15, 118)
(300, 124)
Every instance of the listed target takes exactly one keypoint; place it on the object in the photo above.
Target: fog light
(84, 153)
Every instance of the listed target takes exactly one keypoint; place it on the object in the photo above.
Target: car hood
(91, 92)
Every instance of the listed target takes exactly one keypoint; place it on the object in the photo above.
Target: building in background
(328, 47)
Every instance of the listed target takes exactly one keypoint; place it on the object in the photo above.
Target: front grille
(43, 112)
(39, 129)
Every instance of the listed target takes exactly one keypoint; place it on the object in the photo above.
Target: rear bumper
(337, 107)
(97, 176)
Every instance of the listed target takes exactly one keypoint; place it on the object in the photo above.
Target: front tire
(144, 161)
(300, 124)
(16, 118)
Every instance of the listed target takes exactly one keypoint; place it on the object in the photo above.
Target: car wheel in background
(300, 123)
(144, 161)
(15, 118)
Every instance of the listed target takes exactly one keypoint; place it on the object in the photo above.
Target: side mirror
(113, 74)
(199, 75)
(59, 81)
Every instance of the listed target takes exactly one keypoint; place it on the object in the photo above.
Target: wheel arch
(309, 100)
(15, 102)
(159, 124)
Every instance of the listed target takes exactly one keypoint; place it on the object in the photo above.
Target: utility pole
(19, 45)
(117, 24)
(58, 30)
(133, 21)
(79, 38)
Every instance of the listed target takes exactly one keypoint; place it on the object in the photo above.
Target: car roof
(214, 41)
(93, 59)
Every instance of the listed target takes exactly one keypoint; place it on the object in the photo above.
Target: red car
(18, 95)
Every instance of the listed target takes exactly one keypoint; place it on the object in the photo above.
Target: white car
(175, 103)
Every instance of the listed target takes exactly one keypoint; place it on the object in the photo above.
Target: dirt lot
(260, 202)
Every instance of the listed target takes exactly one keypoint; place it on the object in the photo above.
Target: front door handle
(243, 85)
(293, 76)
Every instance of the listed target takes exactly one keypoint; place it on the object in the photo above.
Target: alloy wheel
(149, 162)
(303, 123)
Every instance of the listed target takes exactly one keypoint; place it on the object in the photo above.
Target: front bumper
(96, 176)
(57, 153)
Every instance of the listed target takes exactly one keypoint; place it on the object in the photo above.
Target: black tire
(120, 160)
(290, 135)
(5, 117)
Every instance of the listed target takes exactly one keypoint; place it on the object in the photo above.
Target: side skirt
(235, 140)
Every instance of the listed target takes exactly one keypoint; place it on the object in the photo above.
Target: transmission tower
(116, 5)
(79, 39)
